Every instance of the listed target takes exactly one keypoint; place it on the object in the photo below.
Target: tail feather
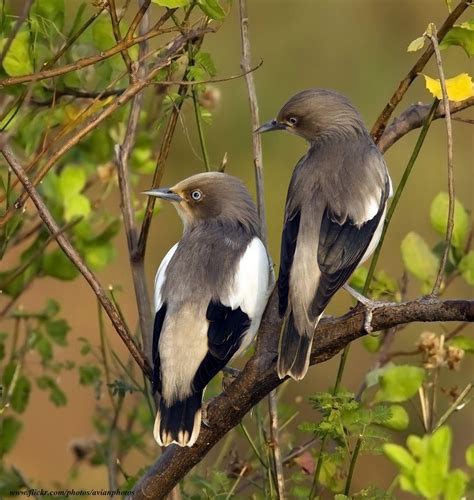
(179, 423)
(293, 351)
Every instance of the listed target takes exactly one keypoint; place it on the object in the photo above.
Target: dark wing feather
(226, 328)
(157, 326)
(341, 247)
(288, 246)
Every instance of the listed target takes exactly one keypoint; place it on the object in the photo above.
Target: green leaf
(57, 330)
(455, 485)
(51, 10)
(416, 44)
(462, 36)
(172, 4)
(44, 348)
(399, 418)
(76, 206)
(399, 383)
(416, 445)
(371, 342)
(18, 59)
(10, 429)
(71, 181)
(470, 456)
(399, 456)
(57, 265)
(418, 258)
(439, 217)
(102, 34)
(56, 395)
(98, 256)
(21, 394)
(89, 374)
(463, 342)
(212, 8)
(466, 266)
(205, 60)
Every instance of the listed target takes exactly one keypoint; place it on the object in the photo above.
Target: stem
(355, 454)
(104, 354)
(432, 35)
(275, 445)
(399, 191)
(198, 116)
(253, 446)
(454, 407)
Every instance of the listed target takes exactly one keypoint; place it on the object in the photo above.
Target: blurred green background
(357, 47)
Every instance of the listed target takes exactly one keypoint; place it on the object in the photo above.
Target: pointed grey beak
(164, 194)
(269, 126)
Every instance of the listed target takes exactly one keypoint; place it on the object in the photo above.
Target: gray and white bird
(210, 292)
(334, 214)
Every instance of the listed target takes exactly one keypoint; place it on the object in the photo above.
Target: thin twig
(382, 120)
(432, 35)
(255, 120)
(398, 193)
(122, 156)
(454, 406)
(354, 456)
(76, 259)
(275, 444)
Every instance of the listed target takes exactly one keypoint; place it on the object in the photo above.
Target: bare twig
(275, 444)
(414, 117)
(122, 156)
(76, 259)
(256, 139)
(454, 406)
(432, 35)
(382, 120)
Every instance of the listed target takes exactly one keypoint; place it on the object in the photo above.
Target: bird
(334, 214)
(210, 293)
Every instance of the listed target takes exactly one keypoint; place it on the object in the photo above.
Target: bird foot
(369, 305)
(230, 374)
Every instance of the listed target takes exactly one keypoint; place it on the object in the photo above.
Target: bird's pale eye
(196, 195)
(292, 120)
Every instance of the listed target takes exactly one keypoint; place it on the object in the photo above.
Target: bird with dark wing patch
(210, 292)
(334, 214)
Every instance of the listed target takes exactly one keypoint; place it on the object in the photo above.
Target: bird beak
(269, 126)
(164, 194)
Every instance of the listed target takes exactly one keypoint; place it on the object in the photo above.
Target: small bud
(210, 97)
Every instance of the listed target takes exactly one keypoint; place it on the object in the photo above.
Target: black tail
(293, 351)
(179, 423)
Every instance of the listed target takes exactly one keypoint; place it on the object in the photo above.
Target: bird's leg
(230, 374)
(369, 305)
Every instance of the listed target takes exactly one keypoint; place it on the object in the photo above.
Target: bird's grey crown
(322, 113)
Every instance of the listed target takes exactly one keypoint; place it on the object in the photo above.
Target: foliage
(43, 120)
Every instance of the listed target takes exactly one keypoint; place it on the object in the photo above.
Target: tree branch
(259, 377)
(414, 117)
(76, 259)
(382, 120)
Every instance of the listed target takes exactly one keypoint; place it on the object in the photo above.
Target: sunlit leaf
(466, 266)
(212, 8)
(418, 258)
(399, 456)
(462, 36)
(76, 206)
(18, 58)
(439, 218)
(399, 383)
(455, 485)
(463, 342)
(416, 44)
(470, 455)
(459, 87)
(399, 418)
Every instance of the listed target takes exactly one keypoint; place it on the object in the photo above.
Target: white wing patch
(161, 275)
(249, 289)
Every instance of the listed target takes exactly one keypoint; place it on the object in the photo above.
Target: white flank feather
(161, 275)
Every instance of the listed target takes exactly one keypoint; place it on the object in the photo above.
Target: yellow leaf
(459, 88)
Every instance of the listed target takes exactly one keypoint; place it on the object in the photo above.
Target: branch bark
(259, 377)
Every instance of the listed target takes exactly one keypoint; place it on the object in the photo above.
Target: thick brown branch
(413, 118)
(382, 120)
(76, 259)
(259, 377)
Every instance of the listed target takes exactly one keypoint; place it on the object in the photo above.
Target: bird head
(210, 195)
(314, 113)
